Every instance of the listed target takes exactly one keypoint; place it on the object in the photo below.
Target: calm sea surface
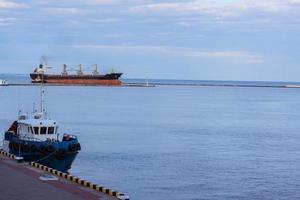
(177, 142)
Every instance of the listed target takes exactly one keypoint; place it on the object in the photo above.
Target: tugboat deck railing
(31, 139)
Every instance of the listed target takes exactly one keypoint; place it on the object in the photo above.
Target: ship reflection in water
(40, 76)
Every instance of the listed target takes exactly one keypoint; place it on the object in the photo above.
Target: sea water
(177, 142)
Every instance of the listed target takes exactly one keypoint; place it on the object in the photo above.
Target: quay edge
(30, 173)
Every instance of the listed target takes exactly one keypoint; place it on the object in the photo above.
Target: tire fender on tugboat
(61, 154)
(78, 146)
(26, 148)
(72, 147)
(42, 149)
(33, 148)
(16, 146)
(50, 149)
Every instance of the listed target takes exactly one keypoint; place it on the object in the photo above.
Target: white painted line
(47, 177)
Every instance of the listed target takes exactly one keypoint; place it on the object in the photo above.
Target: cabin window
(50, 130)
(43, 130)
(36, 130)
(31, 130)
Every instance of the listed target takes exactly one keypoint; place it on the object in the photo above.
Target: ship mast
(95, 72)
(65, 72)
(79, 71)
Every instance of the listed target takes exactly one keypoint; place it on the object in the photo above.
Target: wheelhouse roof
(38, 122)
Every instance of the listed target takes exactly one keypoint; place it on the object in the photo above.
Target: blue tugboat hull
(52, 161)
(58, 155)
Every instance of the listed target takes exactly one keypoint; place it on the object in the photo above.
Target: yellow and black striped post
(4, 153)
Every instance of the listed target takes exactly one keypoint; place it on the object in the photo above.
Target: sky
(251, 40)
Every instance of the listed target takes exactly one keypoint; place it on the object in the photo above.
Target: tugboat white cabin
(37, 128)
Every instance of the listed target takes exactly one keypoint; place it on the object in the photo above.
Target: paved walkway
(20, 181)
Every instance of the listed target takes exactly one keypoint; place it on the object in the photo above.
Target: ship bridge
(37, 128)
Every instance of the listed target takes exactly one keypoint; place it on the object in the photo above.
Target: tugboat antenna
(33, 108)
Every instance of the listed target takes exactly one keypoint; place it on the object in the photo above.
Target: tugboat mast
(42, 101)
(42, 98)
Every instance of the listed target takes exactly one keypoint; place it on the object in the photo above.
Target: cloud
(243, 56)
(100, 1)
(217, 8)
(11, 5)
(7, 21)
(58, 10)
(107, 20)
(294, 1)
(116, 2)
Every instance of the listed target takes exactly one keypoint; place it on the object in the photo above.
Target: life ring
(61, 154)
(33, 148)
(42, 149)
(50, 149)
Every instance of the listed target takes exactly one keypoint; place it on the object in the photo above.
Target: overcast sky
(179, 39)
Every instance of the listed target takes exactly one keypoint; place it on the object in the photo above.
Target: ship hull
(107, 79)
(51, 161)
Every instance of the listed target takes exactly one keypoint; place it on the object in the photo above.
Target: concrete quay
(20, 180)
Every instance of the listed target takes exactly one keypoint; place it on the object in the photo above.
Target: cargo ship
(40, 75)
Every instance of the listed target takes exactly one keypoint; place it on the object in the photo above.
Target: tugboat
(36, 139)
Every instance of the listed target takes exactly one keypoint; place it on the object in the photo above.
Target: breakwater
(133, 84)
